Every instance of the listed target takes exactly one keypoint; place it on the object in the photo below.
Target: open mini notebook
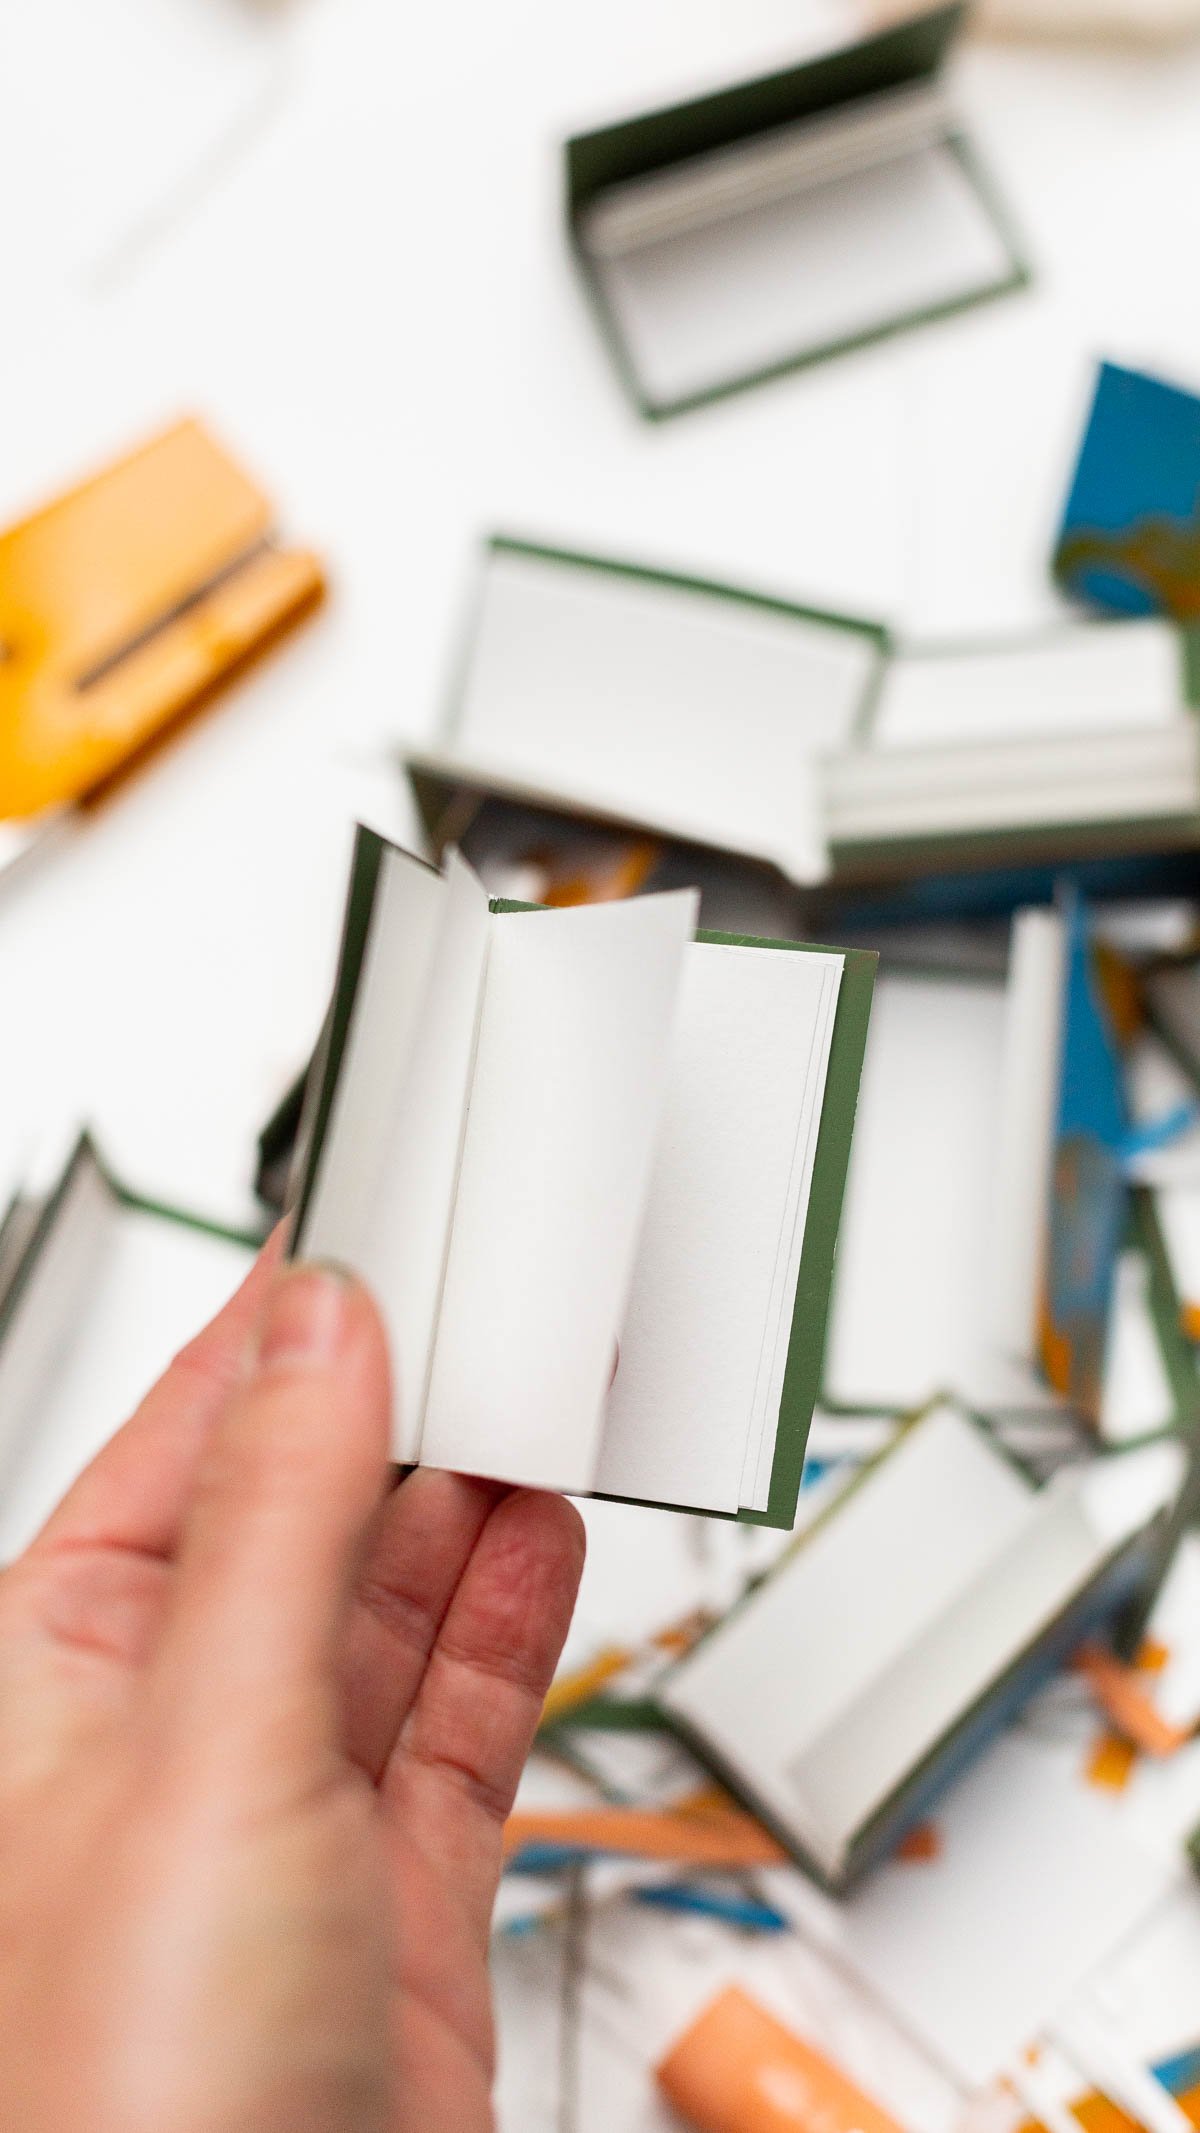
(559, 1143)
(771, 223)
(907, 1625)
(98, 1290)
(811, 742)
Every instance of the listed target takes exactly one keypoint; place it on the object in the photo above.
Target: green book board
(733, 203)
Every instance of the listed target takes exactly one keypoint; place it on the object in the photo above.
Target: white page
(800, 273)
(717, 1259)
(1079, 679)
(157, 1283)
(688, 711)
(570, 1077)
(913, 1293)
(926, 1689)
(385, 1186)
(1029, 1092)
(1034, 1886)
(1150, 773)
(844, 1607)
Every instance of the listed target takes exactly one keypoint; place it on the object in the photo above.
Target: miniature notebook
(1130, 538)
(805, 740)
(946, 1586)
(122, 604)
(98, 1290)
(592, 1169)
(767, 225)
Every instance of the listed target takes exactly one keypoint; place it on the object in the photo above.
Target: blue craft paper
(1130, 539)
(1090, 1205)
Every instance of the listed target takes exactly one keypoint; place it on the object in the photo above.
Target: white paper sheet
(1034, 1886)
(715, 1278)
(803, 272)
(570, 1079)
(384, 1193)
(913, 1293)
(690, 712)
(1029, 1098)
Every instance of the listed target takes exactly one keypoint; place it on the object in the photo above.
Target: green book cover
(662, 209)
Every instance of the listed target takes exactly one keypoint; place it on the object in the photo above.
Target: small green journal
(782, 220)
(591, 1163)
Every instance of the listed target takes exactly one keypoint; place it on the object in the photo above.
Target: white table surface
(368, 293)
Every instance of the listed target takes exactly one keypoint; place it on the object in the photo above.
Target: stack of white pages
(839, 1695)
(592, 1168)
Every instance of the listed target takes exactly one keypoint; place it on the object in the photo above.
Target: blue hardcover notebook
(1130, 539)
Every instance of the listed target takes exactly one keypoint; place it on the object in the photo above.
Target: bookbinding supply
(123, 604)
(776, 222)
(970, 1587)
(592, 1168)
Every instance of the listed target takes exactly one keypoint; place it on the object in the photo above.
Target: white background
(369, 295)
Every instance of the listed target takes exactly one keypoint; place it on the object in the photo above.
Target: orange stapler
(122, 604)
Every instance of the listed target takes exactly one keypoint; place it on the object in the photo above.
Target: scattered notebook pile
(669, 1201)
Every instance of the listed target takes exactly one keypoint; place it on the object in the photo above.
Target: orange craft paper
(722, 1838)
(738, 2070)
(1121, 1694)
(124, 603)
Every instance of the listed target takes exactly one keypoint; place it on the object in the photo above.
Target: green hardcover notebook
(968, 1585)
(592, 1167)
(98, 1290)
(746, 232)
(808, 742)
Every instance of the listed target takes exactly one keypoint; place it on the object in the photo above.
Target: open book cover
(808, 742)
(745, 232)
(946, 1586)
(592, 1168)
(98, 1290)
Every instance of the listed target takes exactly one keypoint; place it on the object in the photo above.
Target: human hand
(260, 1725)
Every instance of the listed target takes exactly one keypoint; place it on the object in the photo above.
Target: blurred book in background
(1130, 539)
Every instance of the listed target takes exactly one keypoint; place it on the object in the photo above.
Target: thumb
(293, 1472)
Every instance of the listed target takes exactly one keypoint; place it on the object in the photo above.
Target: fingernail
(305, 1318)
